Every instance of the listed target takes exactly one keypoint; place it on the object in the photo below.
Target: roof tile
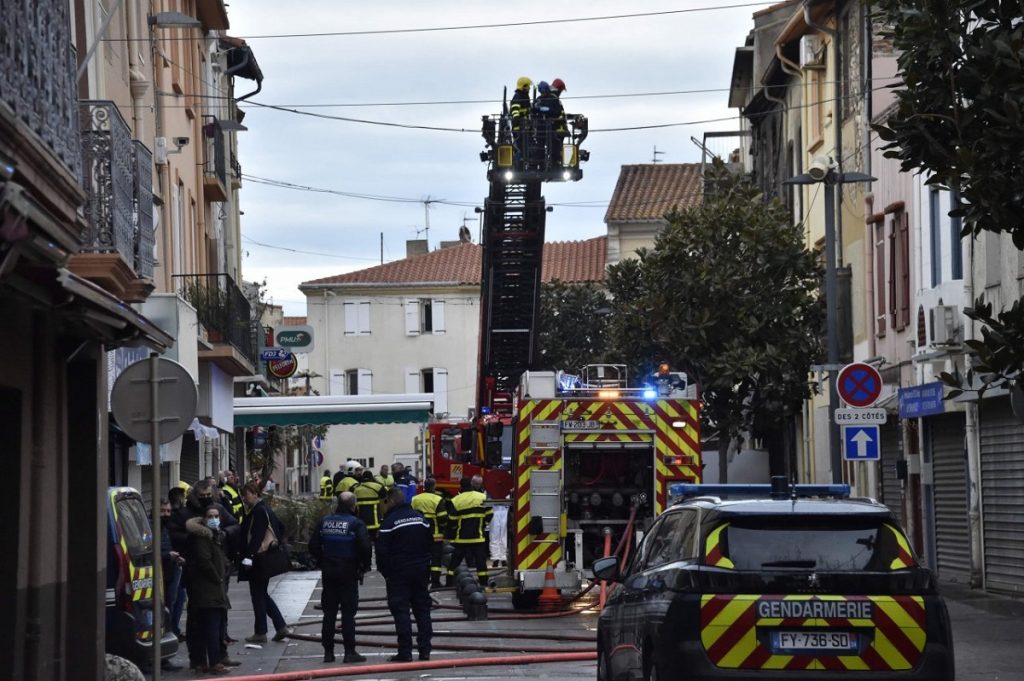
(649, 191)
(570, 261)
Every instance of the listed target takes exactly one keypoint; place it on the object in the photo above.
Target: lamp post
(823, 170)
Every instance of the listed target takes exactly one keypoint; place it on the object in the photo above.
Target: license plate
(822, 641)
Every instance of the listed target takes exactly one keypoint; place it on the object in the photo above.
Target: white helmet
(351, 466)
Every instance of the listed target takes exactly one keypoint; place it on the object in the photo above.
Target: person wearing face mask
(260, 526)
(200, 498)
(207, 597)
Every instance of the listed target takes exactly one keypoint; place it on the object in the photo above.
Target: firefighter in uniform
(342, 548)
(369, 493)
(470, 517)
(519, 113)
(346, 479)
(230, 494)
(432, 506)
(327, 486)
(403, 558)
(384, 477)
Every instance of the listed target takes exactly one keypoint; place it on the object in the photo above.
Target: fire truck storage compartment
(602, 480)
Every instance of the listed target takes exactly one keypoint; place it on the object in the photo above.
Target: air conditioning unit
(812, 52)
(944, 324)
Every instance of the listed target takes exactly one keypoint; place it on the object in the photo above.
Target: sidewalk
(291, 592)
(986, 633)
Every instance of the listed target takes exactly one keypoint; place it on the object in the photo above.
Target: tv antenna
(655, 154)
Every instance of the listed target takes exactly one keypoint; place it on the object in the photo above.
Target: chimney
(415, 247)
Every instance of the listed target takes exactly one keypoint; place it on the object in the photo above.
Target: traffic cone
(550, 599)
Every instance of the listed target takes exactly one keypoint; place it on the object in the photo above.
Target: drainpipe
(238, 67)
(162, 181)
(837, 121)
(972, 440)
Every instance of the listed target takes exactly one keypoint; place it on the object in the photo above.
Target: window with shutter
(336, 385)
(437, 312)
(440, 390)
(428, 380)
(891, 274)
(365, 385)
(903, 220)
(412, 317)
(357, 317)
(412, 380)
(880, 260)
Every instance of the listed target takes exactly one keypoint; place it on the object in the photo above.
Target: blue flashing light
(650, 394)
(484, 411)
(685, 489)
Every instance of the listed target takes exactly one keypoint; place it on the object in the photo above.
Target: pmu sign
(859, 384)
(297, 339)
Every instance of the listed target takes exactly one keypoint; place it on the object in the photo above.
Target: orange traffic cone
(550, 599)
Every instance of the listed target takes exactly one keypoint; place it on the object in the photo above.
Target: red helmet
(558, 84)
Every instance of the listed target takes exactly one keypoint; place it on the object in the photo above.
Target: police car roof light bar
(686, 489)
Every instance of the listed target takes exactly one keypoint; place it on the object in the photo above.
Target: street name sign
(861, 443)
(853, 417)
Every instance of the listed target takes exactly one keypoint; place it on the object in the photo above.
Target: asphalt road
(987, 631)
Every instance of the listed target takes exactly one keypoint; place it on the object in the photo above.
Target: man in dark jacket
(342, 548)
(403, 558)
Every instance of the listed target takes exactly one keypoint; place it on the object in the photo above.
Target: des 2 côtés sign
(855, 417)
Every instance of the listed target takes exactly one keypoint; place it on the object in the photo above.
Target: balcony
(39, 109)
(117, 243)
(215, 173)
(226, 316)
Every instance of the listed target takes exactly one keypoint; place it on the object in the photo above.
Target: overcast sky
(623, 56)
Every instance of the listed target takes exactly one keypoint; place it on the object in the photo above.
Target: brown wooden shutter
(904, 237)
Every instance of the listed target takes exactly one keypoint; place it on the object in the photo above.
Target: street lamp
(823, 170)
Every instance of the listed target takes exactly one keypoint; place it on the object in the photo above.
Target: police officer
(326, 486)
(403, 558)
(470, 516)
(369, 493)
(342, 548)
(432, 506)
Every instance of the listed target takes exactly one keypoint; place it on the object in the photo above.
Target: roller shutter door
(1002, 484)
(949, 475)
(189, 458)
(892, 452)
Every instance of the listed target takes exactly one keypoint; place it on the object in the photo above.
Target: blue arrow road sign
(861, 443)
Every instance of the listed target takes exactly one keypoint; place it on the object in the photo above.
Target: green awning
(332, 410)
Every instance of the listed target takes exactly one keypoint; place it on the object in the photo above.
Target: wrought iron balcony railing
(37, 74)
(222, 309)
(145, 237)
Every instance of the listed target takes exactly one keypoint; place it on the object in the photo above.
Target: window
(956, 251)
(357, 317)
(134, 525)
(428, 380)
(816, 85)
(435, 380)
(935, 234)
(674, 540)
(358, 382)
(424, 316)
(880, 279)
(899, 266)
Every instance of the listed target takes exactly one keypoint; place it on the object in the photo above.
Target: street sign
(921, 400)
(316, 457)
(861, 443)
(853, 417)
(131, 400)
(317, 442)
(268, 354)
(859, 384)
(283, 368)
(298, 339)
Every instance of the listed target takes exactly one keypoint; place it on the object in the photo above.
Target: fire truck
(582, 460)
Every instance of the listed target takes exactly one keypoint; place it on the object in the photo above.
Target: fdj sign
(298, 339)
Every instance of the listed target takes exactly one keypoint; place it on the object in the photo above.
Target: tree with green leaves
(732, 296)
(959, 118)
(630, 337)
(573, 325)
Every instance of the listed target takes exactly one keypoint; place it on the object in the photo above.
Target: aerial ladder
(518, 163)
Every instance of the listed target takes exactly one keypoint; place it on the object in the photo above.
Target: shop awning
(332, 410)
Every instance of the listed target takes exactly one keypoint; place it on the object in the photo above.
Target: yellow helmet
(523, 83)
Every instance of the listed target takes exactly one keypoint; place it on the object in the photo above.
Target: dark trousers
(475, 555)
(179, 604)
(405, 591)
(263, 605)
(436, 556)
(339, 592)
(202, 636)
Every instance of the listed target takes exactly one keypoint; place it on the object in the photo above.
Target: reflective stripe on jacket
(470, 516)
(368, 496)
(234, 500)
(432, 506)
(326, 487)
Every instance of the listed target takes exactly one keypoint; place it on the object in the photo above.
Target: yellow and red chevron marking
(713, 554)
(533, 551)
(905, 558)
(735, 631)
